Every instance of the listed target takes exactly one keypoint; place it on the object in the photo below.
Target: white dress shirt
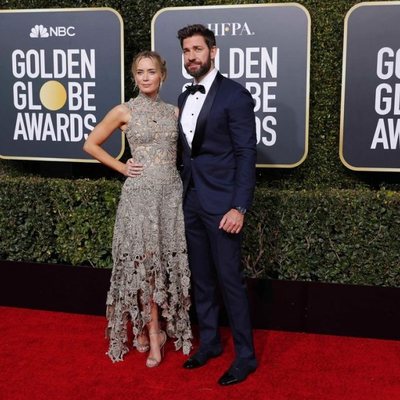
(193, 105)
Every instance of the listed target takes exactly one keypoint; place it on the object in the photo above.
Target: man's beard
(203, 70)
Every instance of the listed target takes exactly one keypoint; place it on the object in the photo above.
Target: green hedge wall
(326, 235)
(318, 222)
(57, 221)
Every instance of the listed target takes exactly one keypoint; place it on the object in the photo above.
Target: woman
(150, 277)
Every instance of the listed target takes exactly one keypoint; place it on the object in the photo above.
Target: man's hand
(232, 221)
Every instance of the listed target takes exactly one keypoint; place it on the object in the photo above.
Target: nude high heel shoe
(151, 362)
(142, 347)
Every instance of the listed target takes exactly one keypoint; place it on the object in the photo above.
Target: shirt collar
(208, 79)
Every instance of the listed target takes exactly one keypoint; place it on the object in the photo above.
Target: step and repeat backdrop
(59, 75)
(370, 118)
(270, 58)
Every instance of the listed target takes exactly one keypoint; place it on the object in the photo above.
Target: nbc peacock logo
(39, 31)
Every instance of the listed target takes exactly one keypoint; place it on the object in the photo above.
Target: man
(218, 141)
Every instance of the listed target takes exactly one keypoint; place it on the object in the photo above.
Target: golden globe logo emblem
(40, 31)
(53, 95)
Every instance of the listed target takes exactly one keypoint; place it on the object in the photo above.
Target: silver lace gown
(149, 247)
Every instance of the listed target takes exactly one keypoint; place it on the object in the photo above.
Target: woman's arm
(117, 118)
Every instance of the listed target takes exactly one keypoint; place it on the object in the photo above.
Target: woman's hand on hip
(132, 169)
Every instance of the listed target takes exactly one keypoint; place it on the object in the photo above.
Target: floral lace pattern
(149, 245)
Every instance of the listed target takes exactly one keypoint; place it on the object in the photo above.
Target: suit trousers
(215, 261)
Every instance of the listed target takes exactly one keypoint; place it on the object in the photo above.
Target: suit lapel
(181, 103)
(202, 119)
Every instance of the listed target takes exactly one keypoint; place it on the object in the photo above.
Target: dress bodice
(152, 135)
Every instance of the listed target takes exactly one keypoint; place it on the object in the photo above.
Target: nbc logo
(39, 31)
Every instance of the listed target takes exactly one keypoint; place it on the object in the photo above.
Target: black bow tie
(192, 89)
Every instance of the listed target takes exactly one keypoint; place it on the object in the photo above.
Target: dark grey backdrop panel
(78, 29)
(248, 37)
(370, 134)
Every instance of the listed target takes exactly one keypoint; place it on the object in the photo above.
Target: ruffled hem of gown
(164, 280)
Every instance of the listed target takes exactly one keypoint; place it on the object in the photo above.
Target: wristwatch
(242, 210)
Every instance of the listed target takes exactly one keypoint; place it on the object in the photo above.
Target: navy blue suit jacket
(222, 160)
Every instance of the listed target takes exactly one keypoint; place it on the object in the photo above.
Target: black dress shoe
(236, 374)
(199, 359)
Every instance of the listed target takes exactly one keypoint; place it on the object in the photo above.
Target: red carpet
(57, 356)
